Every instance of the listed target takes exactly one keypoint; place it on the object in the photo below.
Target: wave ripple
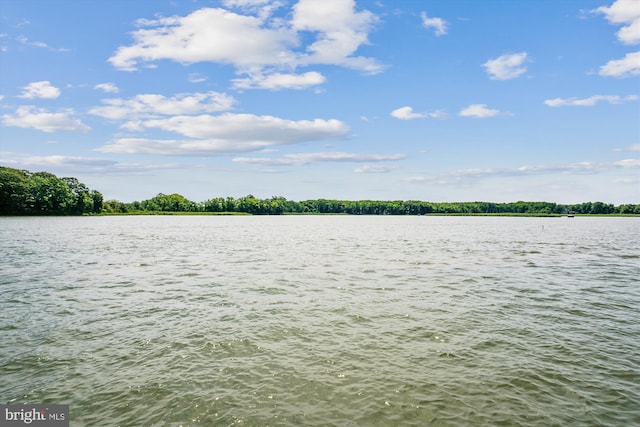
(344, 321)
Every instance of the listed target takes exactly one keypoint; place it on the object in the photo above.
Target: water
(323, 320)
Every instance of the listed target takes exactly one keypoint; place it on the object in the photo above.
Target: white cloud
(627, 163)
(61, 161)
(625, 67)
(277, 81)
(248, 127)
(227, 134)
(438, 114)
(207, 35)
(107, 87)
(153, 105)
(375, 169)
(245, 3)
(257, 45)
(438, 24)
(406, 113)
(627, 14)
(269, 161)
(168, 147)
(307, 158)
(631, 33)
(264, 8)
(25, 41)
(196, 78)
(42, 89)
(31, 117)
(340, 31)
(74, 164)
(587, 167)
(591, 101)
(506, 67)
(632, 147)
(578, 168)
(479, 111)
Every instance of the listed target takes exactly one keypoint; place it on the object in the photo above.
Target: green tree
(49, 195)
(214, 205)
(114, 206)
(249, 204)
(170, 203)
(97, 201)
(82, 194)
(14, 191)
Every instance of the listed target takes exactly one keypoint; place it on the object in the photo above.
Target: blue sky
(456, 100)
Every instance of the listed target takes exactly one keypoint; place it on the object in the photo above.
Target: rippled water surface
(323, 320)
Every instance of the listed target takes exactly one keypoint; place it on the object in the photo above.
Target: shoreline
(179, 213)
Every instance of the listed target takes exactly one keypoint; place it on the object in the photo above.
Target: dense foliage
(42, 193)
(279, 205)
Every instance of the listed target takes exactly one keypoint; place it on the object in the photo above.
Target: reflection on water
(323, 320)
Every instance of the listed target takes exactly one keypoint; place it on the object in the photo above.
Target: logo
(34, 415)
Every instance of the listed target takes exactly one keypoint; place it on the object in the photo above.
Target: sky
(435, 100)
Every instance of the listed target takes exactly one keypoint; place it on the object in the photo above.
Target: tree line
(41, 193)
(279, 205)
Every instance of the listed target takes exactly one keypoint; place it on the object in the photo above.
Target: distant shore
(526, 215)
(44, 194)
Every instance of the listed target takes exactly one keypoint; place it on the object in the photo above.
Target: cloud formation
(632, 147)
(257, 45)
(248, 127)
(307, 158)
(25, 41)
(202, 134)
(107, 87)
(43, 89)
(626, 67)
(153, 105)
(591, 101)
(206, 35)
(28, 116)
(439, 25)
(339, 30)
(406, 113)
(226, 134)
(506, 67)
(66, 161)
(277, 81)
(479, 111)
(196, 78)
(578, 168)
(74, 164)
(263, 8)
(627, 14)
(375, 169)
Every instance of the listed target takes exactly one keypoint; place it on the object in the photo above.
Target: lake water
(323, 320)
